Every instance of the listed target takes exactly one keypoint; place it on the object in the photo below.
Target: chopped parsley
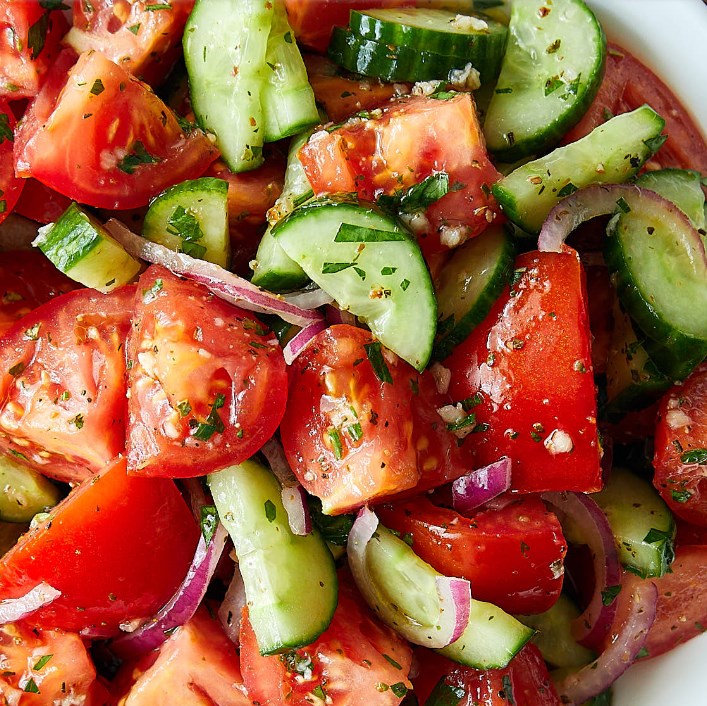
(336, 445)
(31, 687)
(419, 196)
(270, 510)
(184, 407)
(42, 662)
(698, 456)
(149, 295)
(374, 351)
(567, 189)
(17, 369)
(32, 333)
(136, 157)
(37, 34)
(680, 496)
(208, 521)
(214, 423)
(608, 595)
(184, 225)
(97, 87)
(5, 129)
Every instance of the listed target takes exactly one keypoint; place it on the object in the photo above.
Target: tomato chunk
(62, 383)
(412, 139)
(528, 370)
(681, 448)
(208, 384)
(348, 663)
(512, 555)
(143, 526)
(40, 203)
(105, 139)
(10, 185)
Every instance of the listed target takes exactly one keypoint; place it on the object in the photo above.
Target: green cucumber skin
(71, 239)
(633, 507)
(529, 192)
(399, 306)
(274, 269)
(25, 492)
(278, 567)
(522, 84)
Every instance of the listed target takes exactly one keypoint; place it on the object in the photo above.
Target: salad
(359, 358)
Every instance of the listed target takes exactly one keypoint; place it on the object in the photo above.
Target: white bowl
(670, 36)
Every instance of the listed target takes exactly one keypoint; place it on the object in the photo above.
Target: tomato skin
(348, 661)
(188, 347)
(147, 52)
(512, 555)
(144, 526)
(22, 69)
(28, 280)
(197, 664)
(681, 428)
(530, 361)
(102, 125)
(62, 383)
(10, 185)
(627, 85)
(69, 669)
(40, 203)
(412, 139)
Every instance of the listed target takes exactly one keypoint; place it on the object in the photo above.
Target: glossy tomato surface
(513, 555)
(121, 144)
(62, 383)
(208, 384)
(116, 548)
(349, 663)
(528, 370)
(10, 186)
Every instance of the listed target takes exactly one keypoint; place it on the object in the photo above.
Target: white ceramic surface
(671, 37)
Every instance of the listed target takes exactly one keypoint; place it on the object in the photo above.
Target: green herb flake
(270, 510)
(288, 38)
(32, 333)
(330, 268)
(184, 407)
(3, 206)
(184, 225)
(97, 87)
(349, 233)
(17, 369)
(136, 157)
(623, 205)
(78, 421)
(552, 48)
(336, 446)
(468, 420)
(37, 35)
(655, 143)
(405, 284)
(680, 496)
(208, 521)
(388, 270)
(642, 653)
(42, 662)
(157, 8)
(214, 423)
(698, 456)
(419, 196)
(552, 84)
(503, 90)
(134, 28)
(5, 129)
(608, 595)
(374, 351)
(149, 295)
(355, 431)
(507, 685)
(318, 691)
(567, 189)
(31, 687)
(392, 662)
(399, 689)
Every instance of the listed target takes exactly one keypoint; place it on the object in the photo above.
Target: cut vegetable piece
(661, 278)
(683, 187)
(469, 285)
(287, 98)
(643, 526)
(24, 492)
(551, 72)
(611, 154)
(372, 267)
(290, 580)
(192, 217)
(80, 247)
(224, 50)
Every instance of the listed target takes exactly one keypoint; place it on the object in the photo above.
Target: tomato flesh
(116, 547)
(528, 365)
(208, 384)
(10, 186)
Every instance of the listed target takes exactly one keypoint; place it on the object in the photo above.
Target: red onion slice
(584, 522)
(294, 500)
(229, 613)
(221, 282)
(454, 594)
(275, 455)
(12, 609)
(183, 604)
(308, 298)
(636, 612)
(481, 485)
(334, 315)
(583, 205)
(300, 340)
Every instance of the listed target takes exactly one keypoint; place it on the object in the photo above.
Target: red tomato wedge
(196, 666)
(512, 555)
(412, 139)
(143, 526)
(55, 662)
(348, 663)
(139, 35)
(208, 384)
(28, 280)
(10, 185)
(681, 448)
(105, 139)
(62, 383)
(29, 42)
(40, 203)
(627, 85)
(530, 364)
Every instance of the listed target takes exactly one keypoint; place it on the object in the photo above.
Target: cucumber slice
(287, 98)
(371, 265)
(554, 634)
(476, 38)
(643, 526)
(469, 285)
(683, 187)
(80, 247)
(24, 492)
(192, 217)
(610, 154)
(290, 580)
(551, 72)
(219, 38)
(408, 598)
(660, 271)
(389, 62)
